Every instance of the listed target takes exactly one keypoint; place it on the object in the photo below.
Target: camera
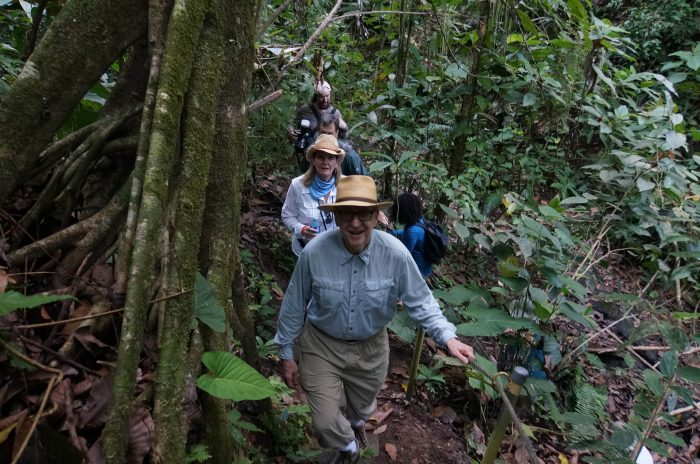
(304, 136)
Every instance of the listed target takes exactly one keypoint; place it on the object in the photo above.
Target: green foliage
(12, 301)
(288, 424)
(14, 25)
(231, 378)
(431, 378)
(206, 308)
(197, 453)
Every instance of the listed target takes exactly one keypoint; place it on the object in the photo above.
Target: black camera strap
(327, 219)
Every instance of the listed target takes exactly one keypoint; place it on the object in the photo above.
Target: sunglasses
(364, 215)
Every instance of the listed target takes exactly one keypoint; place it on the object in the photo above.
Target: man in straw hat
(340, 299)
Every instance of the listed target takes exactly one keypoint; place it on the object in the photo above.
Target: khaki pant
(327, 366)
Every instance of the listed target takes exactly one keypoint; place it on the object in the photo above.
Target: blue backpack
(435, 242)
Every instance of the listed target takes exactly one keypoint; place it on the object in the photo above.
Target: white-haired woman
(316, 187)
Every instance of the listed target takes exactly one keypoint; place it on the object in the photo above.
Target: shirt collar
(347, 256)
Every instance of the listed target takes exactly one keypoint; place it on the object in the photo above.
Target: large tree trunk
(198, 133)
(33, 110)
(183, 33)
(219, 253)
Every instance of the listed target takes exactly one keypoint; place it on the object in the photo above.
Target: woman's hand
(308, 233)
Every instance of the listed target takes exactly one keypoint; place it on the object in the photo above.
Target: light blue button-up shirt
(354, 296)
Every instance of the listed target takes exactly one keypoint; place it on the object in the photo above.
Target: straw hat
(356, 191)
(327, 144)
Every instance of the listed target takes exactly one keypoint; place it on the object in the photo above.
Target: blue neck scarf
(320, 188)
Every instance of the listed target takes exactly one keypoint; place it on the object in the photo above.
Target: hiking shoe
(361, 436)
(346, 457)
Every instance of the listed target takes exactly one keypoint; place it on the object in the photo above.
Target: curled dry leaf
(391, 450)
(379, 430)
(381, 413)
(141, 429)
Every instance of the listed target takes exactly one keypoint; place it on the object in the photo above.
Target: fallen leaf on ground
(391, 451)
(381, 429)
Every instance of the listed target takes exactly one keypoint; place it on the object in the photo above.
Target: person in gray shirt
(341, 297)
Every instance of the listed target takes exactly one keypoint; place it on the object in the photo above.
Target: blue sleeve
(411, 236)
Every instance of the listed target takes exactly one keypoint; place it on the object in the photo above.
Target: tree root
(104, 221)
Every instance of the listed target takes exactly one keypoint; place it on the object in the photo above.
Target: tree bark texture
(221, 232)
(466, 111)
(34, 110)
(183, 35)
(158, 12)
(198, 133)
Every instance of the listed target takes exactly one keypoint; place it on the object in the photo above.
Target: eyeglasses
(364, 215)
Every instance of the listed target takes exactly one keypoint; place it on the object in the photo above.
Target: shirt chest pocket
(329, 294)
(380, 293)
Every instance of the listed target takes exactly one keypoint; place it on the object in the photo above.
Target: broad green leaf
(576, 313)
(12, 300)
(653, 381)
(575, 288)
(616, 297)
(576, 9)
(543, 310)
(515, 38)
(669, 437)
(550, 212)
(607, 175)
(403, 326)
(643, 184)
(517, 284)
(669, 363)
(674, 140)
(206, 308)
(538, 387)
(491, 322)
(379, 165)
(525, 246)
(684, 315)
(478, 380)
(622, 438)
(462, 231)
(502, 251)
(407, 155)
(529, 99)
(230, 378)
(684, 393)
(456, 72)
(690, 373)
(450, 212)
(575, 418)
(538, 295)
(621, 112)
(527, 23)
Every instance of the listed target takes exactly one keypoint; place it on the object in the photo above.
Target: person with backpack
(425, 240)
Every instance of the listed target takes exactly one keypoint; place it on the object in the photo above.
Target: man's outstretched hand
(461, 351)
(290, 373)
